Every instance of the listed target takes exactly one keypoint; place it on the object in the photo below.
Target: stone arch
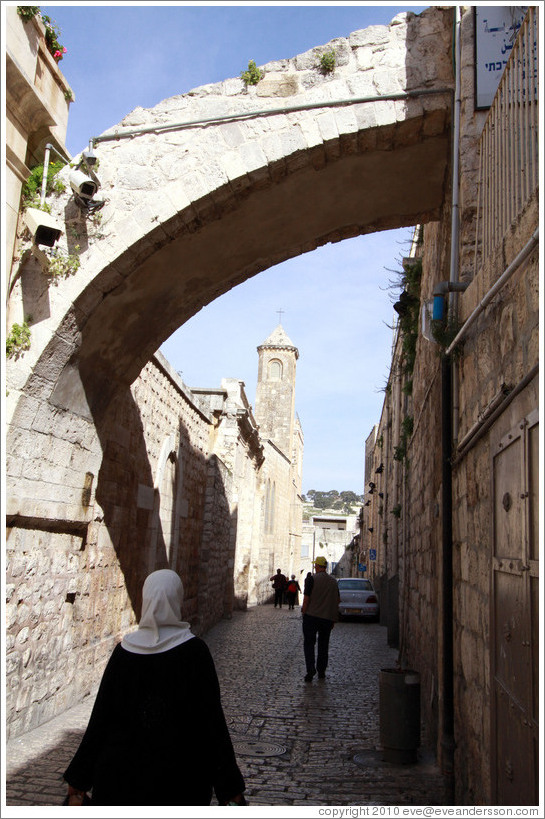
(201, 192)
(192, 210)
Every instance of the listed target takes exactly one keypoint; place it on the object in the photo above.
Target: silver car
(358, 598)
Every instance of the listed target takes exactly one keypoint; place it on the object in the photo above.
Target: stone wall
(180, 485)
(502, 349)
(499, 356)
(74, 588)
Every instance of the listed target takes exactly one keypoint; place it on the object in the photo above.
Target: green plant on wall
(18, 340)
(52, 34)
(408, 308)
(32, 189)
(328, 61)
(62, 265)
(396, 511)
(444, 334)
(400, 451)
(407, 426)
(26, 13)
(252, 75)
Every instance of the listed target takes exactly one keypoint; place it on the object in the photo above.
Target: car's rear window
(355, 585)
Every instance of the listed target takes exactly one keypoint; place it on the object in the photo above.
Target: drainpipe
(396, 401)
(447, 736)
(243, 115)
(48, 149)
(449, 419)
(455, 215)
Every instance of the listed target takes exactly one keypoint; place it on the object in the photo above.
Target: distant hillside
(340, 503)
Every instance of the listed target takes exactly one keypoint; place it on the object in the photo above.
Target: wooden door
(515, 616)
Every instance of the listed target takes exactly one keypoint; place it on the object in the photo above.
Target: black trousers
(316, 627)
(278, 595)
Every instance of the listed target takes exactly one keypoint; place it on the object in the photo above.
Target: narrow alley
(297, 743)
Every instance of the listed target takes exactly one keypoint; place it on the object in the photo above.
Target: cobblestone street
(297, 743)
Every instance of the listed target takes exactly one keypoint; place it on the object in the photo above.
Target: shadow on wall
(125, 466)
(215, 571)
(178, 518)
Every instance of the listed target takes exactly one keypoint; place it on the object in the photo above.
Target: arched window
(275, 370)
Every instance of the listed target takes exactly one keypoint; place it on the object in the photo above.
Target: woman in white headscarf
(157, 733)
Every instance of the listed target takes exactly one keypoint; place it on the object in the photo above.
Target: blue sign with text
(372, 554)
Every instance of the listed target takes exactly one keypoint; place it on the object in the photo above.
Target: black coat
(157, 734)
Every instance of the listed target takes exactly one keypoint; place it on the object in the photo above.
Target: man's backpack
(292, 587)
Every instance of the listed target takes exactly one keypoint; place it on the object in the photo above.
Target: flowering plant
(52, 35)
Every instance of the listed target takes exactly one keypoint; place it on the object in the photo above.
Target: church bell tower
(275, 395)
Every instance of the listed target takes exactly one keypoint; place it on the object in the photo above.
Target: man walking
(320, 611)
(279, 584)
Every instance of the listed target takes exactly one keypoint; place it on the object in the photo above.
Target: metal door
(515, 616)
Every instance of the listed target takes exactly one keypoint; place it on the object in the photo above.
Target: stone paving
(297, 743)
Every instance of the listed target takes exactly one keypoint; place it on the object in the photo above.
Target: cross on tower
(280, 312)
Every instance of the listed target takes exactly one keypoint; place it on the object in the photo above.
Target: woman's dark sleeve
(226, 776)
(80, 772)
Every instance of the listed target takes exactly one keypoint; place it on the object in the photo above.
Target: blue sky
(337, 301)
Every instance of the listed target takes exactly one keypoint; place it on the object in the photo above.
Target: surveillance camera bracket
(89, 205)
(41, 256)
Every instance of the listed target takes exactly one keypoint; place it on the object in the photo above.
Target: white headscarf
(160, 627)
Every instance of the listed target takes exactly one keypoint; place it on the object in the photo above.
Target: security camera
(82, 185)
(45, 230)
(89, 156)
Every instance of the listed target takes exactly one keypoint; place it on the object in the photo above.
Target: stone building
(455, 454)
(281, 431)
(38, 97)
(335, 537)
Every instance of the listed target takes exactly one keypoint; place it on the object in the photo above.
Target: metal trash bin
(399, 711)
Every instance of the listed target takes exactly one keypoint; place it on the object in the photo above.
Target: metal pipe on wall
(449, 429)
(48, 149)
(509, 271)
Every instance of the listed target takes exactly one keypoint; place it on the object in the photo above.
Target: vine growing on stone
(30, 195)
(17, 340)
